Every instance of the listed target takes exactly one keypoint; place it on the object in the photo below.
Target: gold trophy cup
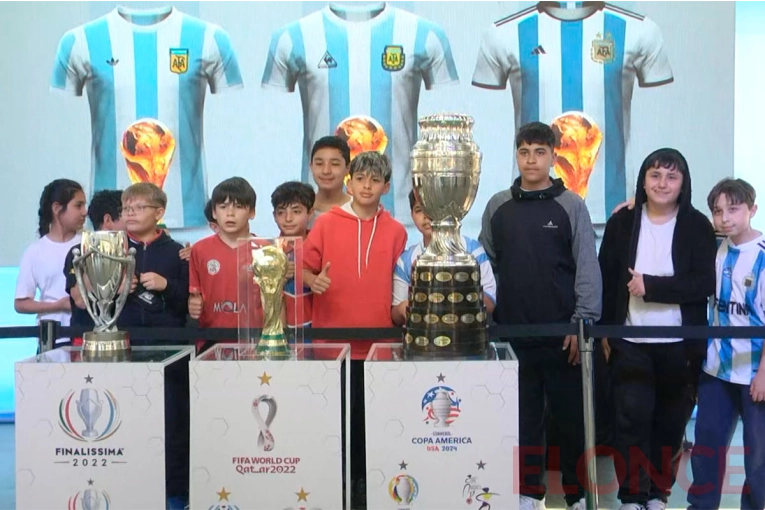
(269, 267)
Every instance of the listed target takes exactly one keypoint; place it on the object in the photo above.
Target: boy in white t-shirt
(732, 384)
(62, 214)
(402, 273)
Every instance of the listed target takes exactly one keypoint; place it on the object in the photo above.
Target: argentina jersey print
(146, 74)
(738, 301)
(359, 71)
(575, 70)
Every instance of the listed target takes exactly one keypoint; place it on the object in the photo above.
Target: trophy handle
(122, 298)
(76, 263)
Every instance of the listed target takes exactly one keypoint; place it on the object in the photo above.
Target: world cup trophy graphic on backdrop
(578, 139)
(148, 147)
(269, 267)
(446, 316)
(104, 266)
(265, 437)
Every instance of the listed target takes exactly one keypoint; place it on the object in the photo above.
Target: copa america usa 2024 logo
(441, 407)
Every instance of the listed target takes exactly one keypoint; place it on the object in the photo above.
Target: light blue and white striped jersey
(580, 60)
(156, 65)
(352, 63)
(738, 301)
(402, 273)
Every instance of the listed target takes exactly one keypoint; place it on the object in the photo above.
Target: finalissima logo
(90, 499)
(97, 416)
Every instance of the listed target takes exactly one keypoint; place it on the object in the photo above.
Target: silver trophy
(89, 408)
(446, 317)
(91, 500)
(104, 266)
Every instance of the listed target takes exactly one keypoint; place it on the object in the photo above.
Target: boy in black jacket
(160, 300)
(658, 266)
(540, 240)
(162, 278)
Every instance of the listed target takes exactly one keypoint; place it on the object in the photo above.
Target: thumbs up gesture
(322, 281)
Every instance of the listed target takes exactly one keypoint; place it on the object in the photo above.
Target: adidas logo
(550, 225)
(539, 50)
(327, 61)
(112, 62)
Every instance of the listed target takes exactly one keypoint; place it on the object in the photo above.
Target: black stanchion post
(48, 332)
(586, 348)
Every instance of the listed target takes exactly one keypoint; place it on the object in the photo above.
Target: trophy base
(446, 317)
(105, 346)
(273, 347)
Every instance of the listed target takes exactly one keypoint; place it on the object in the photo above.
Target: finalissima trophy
(103, 266)
(446, 316)
(269, 267)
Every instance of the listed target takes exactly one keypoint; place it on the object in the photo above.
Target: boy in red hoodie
(349, 257)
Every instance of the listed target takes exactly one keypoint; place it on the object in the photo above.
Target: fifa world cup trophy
(446, 316)
(269, 267)
(104, 266)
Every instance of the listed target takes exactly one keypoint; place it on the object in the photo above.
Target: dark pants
(721, 404)
(358, 433)
(177, 429)
(651, 395)
(549, 385)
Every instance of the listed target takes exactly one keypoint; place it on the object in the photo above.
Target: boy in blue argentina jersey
(732, 385)
(402, 273)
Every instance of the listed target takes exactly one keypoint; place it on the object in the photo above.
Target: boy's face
(663, 185)
(74, 217)
(367, 188)
(732, 219)
(421, 221)
(140, 216)
(292, 219)
(232, 218)
(329, 169)
(534, 162)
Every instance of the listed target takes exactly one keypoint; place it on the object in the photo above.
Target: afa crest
(179, 60)
(602, 50)
(393, 58)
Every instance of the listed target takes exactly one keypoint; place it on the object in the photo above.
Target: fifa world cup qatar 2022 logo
(89, 416)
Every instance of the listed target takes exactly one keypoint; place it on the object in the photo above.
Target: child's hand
(153, 281)
(185, 253)
(322, 281)
(195, 305)
(757, 388)
(290, 271)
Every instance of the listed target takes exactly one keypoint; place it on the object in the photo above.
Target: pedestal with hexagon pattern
(441, 435)
(267, 434)
(92, 434)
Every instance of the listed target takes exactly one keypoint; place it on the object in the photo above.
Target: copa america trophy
(269, 267)
(446, 316)
(104, 266)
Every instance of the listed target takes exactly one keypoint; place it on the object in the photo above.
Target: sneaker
(656, 504)
(579, 505)
(632, 506)
(527, 503)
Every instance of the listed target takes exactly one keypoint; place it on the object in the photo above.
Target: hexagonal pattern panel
(218, 427)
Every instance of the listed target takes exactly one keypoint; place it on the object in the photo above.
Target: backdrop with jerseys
(186, 94)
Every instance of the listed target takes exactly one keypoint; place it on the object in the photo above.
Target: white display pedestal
(267, 435)
(92, 434)
(441, 435)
